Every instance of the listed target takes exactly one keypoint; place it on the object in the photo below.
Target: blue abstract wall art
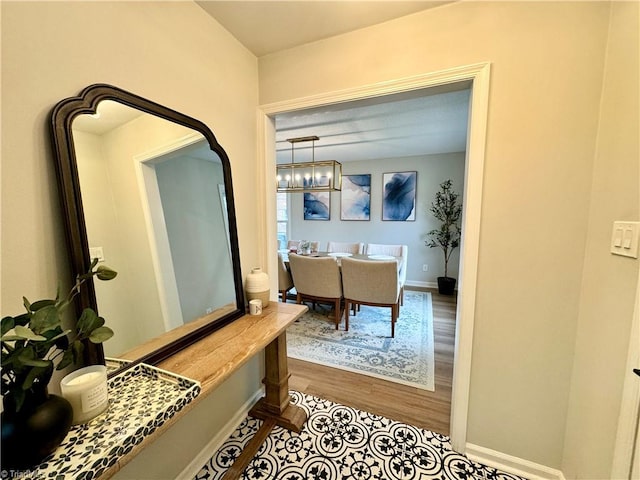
(355, 197)
(317, 206)
(399, 196)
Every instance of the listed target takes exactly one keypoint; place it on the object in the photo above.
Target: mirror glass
(152, 194)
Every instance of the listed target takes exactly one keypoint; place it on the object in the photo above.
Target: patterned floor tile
(342, 443)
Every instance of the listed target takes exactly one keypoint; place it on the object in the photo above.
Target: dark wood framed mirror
(148, 191)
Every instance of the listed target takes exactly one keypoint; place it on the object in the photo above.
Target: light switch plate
(624, 239)
(96, 252)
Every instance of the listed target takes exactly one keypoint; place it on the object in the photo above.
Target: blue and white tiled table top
(141, 400)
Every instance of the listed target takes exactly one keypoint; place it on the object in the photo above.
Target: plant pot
(30, 435)
(446, 285)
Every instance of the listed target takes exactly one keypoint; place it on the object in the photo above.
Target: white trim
(201, 459)
(510, 464)
(628, 422)
(479, 75)
(469, 247)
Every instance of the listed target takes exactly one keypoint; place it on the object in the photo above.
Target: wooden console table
(214, 358)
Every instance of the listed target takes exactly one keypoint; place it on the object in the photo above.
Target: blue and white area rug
(342, 443)
(367, 347)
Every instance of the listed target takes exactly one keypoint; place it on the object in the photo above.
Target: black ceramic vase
(30, 435)
(446, 285)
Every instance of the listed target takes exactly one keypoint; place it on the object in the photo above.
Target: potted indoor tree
(35, 343)
(448, 211)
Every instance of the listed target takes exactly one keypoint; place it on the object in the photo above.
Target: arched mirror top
(148, 191)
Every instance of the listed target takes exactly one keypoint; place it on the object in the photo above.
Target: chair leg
(337, 312)
(394, 315)
(346, 314)
(284, 296)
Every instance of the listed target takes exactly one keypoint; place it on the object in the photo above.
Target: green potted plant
(35, 343)
(448, 211)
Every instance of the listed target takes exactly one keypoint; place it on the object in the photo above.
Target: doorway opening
(478, 75)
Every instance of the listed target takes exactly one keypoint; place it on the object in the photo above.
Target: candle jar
(87, 392)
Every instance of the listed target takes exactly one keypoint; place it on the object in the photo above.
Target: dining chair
(401, 252)
(285, 282)
(371, 283)
(345, 247)
(317, 279)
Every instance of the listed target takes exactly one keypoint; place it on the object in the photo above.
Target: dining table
(340, 255)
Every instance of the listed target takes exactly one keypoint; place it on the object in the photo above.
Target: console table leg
(276, 404)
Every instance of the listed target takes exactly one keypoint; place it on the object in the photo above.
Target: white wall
(547, 60)
(608, 283)
(432, 170)
(170, 52)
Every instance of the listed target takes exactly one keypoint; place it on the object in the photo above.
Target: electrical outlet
(425, 268)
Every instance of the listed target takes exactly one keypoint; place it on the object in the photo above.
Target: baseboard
(414, 283)
(510, 464)
(216, 442)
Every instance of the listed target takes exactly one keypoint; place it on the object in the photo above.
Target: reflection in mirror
(153, 213)
(155, 209)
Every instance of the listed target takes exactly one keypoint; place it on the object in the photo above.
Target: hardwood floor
(429, 410)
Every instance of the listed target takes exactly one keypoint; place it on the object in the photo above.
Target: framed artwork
(355, 197)
(399, 196)
(317, 206)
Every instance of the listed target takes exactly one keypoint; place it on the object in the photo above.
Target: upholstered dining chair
(345, 247)
(401, 253)
(317, 279)
(285, 282)
(371, 283)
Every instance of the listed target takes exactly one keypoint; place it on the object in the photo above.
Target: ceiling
(423, 122)
(266, 27)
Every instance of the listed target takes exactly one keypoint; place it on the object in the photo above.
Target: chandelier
(322, 176)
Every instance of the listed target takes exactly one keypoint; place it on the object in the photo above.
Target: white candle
(86, 390)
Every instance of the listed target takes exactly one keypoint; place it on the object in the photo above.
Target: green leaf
(27, 334)
(41, 373)
(105, 273)
(39, 304)
(22, 319)
(47, 318)
(67, 359)
(101, 334)
(88, 321)
(7, 324)
(26, 303)
(34, 362)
